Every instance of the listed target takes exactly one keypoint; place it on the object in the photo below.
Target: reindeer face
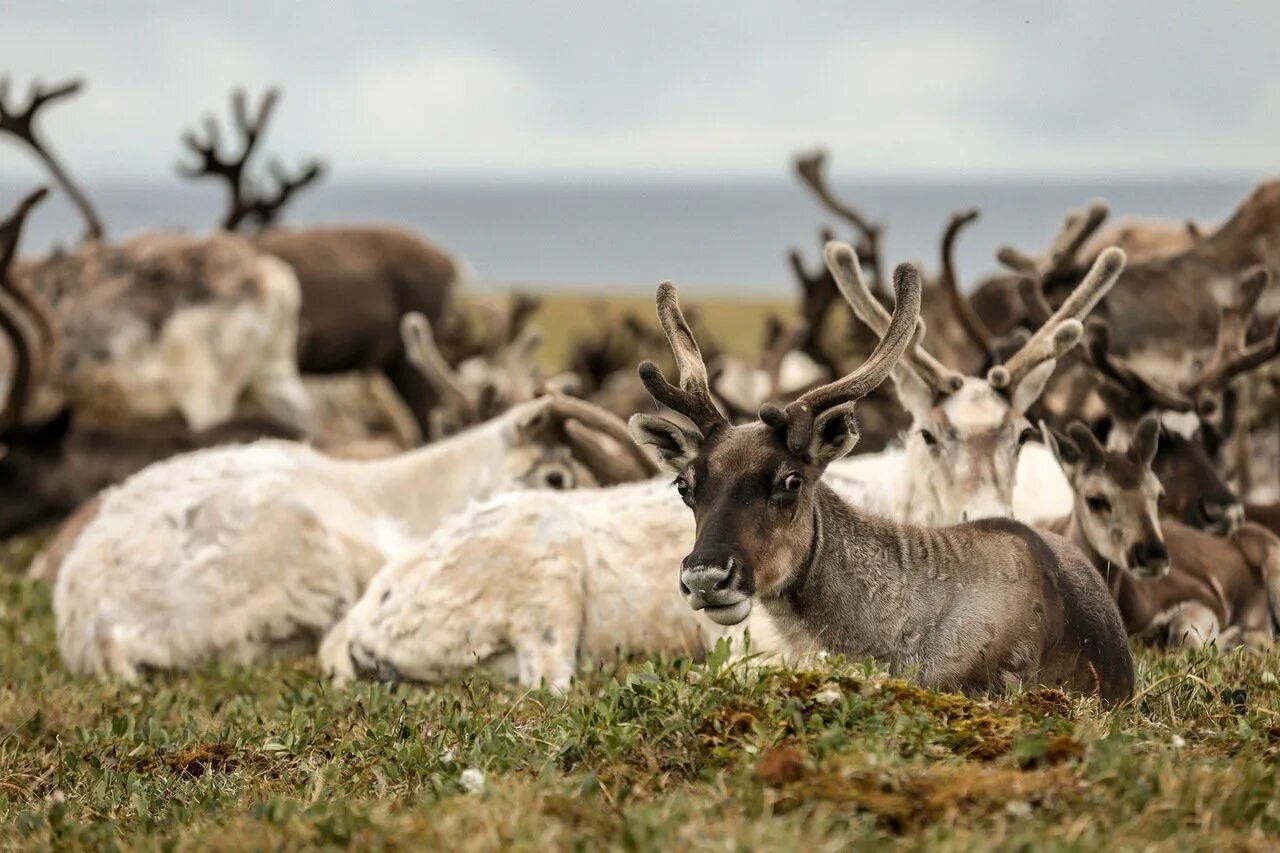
(970, 441)
(1117, 497)
(535, 465)
(753, 506)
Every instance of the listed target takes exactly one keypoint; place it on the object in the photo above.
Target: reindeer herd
(269, 442)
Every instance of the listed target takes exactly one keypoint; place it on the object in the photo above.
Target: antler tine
(693, 397)
(1098, 346)
(972, 324)
(267, 210)
(799, 415)
(812, 171)
(1064, 327)
(1031, 291)
(20, 385)
(42, 316)
(843, 262)
(1076, 230)
(420, 347)
(605, 422)
(11, 320)
(1232, 354)
(22, 125)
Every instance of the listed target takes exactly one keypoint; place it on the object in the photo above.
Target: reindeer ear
(1061, 445)
(675, 447)
(835, 432)
(1146, 440)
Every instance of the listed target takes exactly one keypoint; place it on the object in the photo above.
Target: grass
(645, 755)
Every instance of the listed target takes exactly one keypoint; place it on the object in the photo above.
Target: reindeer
(568, 579)
(169, 571)
(1199, 413)
(977, 607)
(1168, 579)
(51, 462)
(963, 455)
(356, 282)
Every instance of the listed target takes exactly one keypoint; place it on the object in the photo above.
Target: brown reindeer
(1170, 582)
(357, 282)
(1199, 411)
(981, 606)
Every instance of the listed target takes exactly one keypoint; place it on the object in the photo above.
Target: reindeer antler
(798, 418)
(1098, 347)
(1064, 327)
(812, 171)
(21, 124)
(244, 203)
(960, 304)
(941, 379)
(818, 293)
(25, 376)
(693, 396)
(1076, 231)
(420, 347)
(1232, 354)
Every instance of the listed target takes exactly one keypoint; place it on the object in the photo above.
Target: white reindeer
(236, 553)
(967, 454)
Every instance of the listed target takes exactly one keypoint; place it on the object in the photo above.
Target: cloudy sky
(599, 89)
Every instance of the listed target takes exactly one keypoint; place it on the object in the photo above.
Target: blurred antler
(812, 170)
(972, 324)
(1232, 354)
(1063, 249)
(245, 204)
(27, 371)
(818, 292)
(21, 124)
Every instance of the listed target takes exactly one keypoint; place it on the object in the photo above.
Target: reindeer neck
(865, 585)
(421, 487)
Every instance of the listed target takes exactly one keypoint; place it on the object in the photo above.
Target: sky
(666, 90)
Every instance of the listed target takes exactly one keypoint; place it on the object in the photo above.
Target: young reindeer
(1170, 581)
(976, 607)
(966, 451)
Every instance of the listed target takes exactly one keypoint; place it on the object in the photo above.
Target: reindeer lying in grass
(976, 607)
(569, 580)
(51, 463)
(1168, 579)
(235, 553)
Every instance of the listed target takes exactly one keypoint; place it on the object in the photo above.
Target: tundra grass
(650, 755)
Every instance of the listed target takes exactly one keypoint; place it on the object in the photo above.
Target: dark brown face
(753, 501)
(1194, 491)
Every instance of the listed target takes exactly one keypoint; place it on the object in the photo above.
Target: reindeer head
(1117, 495)
(754, 488)
(967, 432)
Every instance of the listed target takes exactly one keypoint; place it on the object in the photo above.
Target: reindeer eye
(682, 486)
(792, 483)
(929, 438)
(1098, 504)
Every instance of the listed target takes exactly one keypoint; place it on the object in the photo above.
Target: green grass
(648, 755)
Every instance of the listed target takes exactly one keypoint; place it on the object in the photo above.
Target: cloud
(565, 88)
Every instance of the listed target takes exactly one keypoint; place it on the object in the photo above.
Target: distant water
(712, 238)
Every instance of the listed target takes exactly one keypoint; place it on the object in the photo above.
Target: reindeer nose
(708, 582)
(1149, 559)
